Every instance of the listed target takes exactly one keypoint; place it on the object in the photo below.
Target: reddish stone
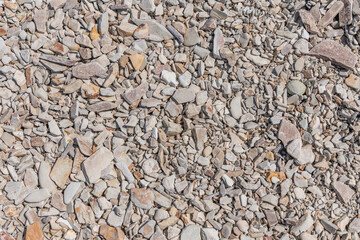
(34, 232)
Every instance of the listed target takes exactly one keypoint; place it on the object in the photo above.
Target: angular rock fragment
(61, 171)
(346, 14)
(183, 95)
(191, 37)
(330, 14)
(305, 222)
(101, 106)
(354, 226)
(34, 232)
(344, 192)
(96, 164)
(40, 19)
(287, 132)
(142, 197)
(336, 53)
(191, 232)
(133, 95)
(353, 82)
(85, 71)
(219, 42)
(111, 233)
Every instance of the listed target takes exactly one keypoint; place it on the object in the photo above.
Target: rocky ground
(174, 119)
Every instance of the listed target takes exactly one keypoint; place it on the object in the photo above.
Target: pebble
(142, 198)
(191, 37)
(344, 192)
(96, 164)
(191, 232)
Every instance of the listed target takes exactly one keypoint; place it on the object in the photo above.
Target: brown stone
(34, 232)
(315, 12)
(123, 61)
(111, 233)
(142, 32)
(137, 60)
(132, 95)
(142, 197)
(38, 141)
(330, 14)
(40, 19)
(308, 21)
(345, 15)
(336, 53)
(3, 31)
(353, 82)
(90, 91)
(287, 132)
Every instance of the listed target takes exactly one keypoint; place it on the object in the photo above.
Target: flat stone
(200, 136)
(183, 95)
(209, 234)
(354, 226)
(353, 81)
(61, 171)
(235, 107)
(306, 156)
(19, 78)
(271, 217)
(344, 192)
(305, 222)
(142, 197)
(103, 23)
(287, 132)
(126, 29)
(112, 233)
(71, 190)
(191, 232)
(157, 31)
(259, 61)
(191, 37)
(137, 61)
(329, 226)
(147, 5)
(38, 196)
(34, 232)
(218, 43)
(345, 15)
(96, 163)
(135, 94)
(87, 70)
(142, 32)
(84, 213)
(294, 148)
(40, 19)
(336, 53)
(330, 14)
(101, 106)
(147, 229)
(308, 21)
(54, 128)
(44, 177)
(169, 78)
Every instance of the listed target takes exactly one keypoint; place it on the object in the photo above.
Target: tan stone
(142, 197)
(34, 232)
(111, 233)
(126, 29)
(137, 61)
(142, 32)
(61, 171)
(353, 82)
(90, 91)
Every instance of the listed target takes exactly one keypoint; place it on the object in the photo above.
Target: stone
(84, 214)
(56, 4)
(169, 78)
(135, 94)
(329, 226)
(308, 21)
(61, 171)
(112, 233)
(87, 70)
(235, 107)
(305, 222)
(344, 192)
(96, 164)
(353, 82)
(185, 79)
(191, 37)
(126, 29)
(306, 156)
(209, 234)
(34, 232)
(147, 5)
(271, 217)
(345, 15)
(296, 87)
(101, 106)
(294, 148)
(142, 197)
(157, 31)
(336, 53)
(147, 229)
(218, 43)
(54, 128)
(103, 23)
(40, 19)
(94, 34)
(137, 61)
(191, 232)
(287, 132)
(354, 226)
(38, 196)
(259, 61)
(20, 79)
(90, 91)
(330, 14)
(183, 95)
(141, 32)
(200, 136)
(44, 177)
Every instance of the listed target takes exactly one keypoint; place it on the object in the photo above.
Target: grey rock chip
(96, 164)
(191, 232)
